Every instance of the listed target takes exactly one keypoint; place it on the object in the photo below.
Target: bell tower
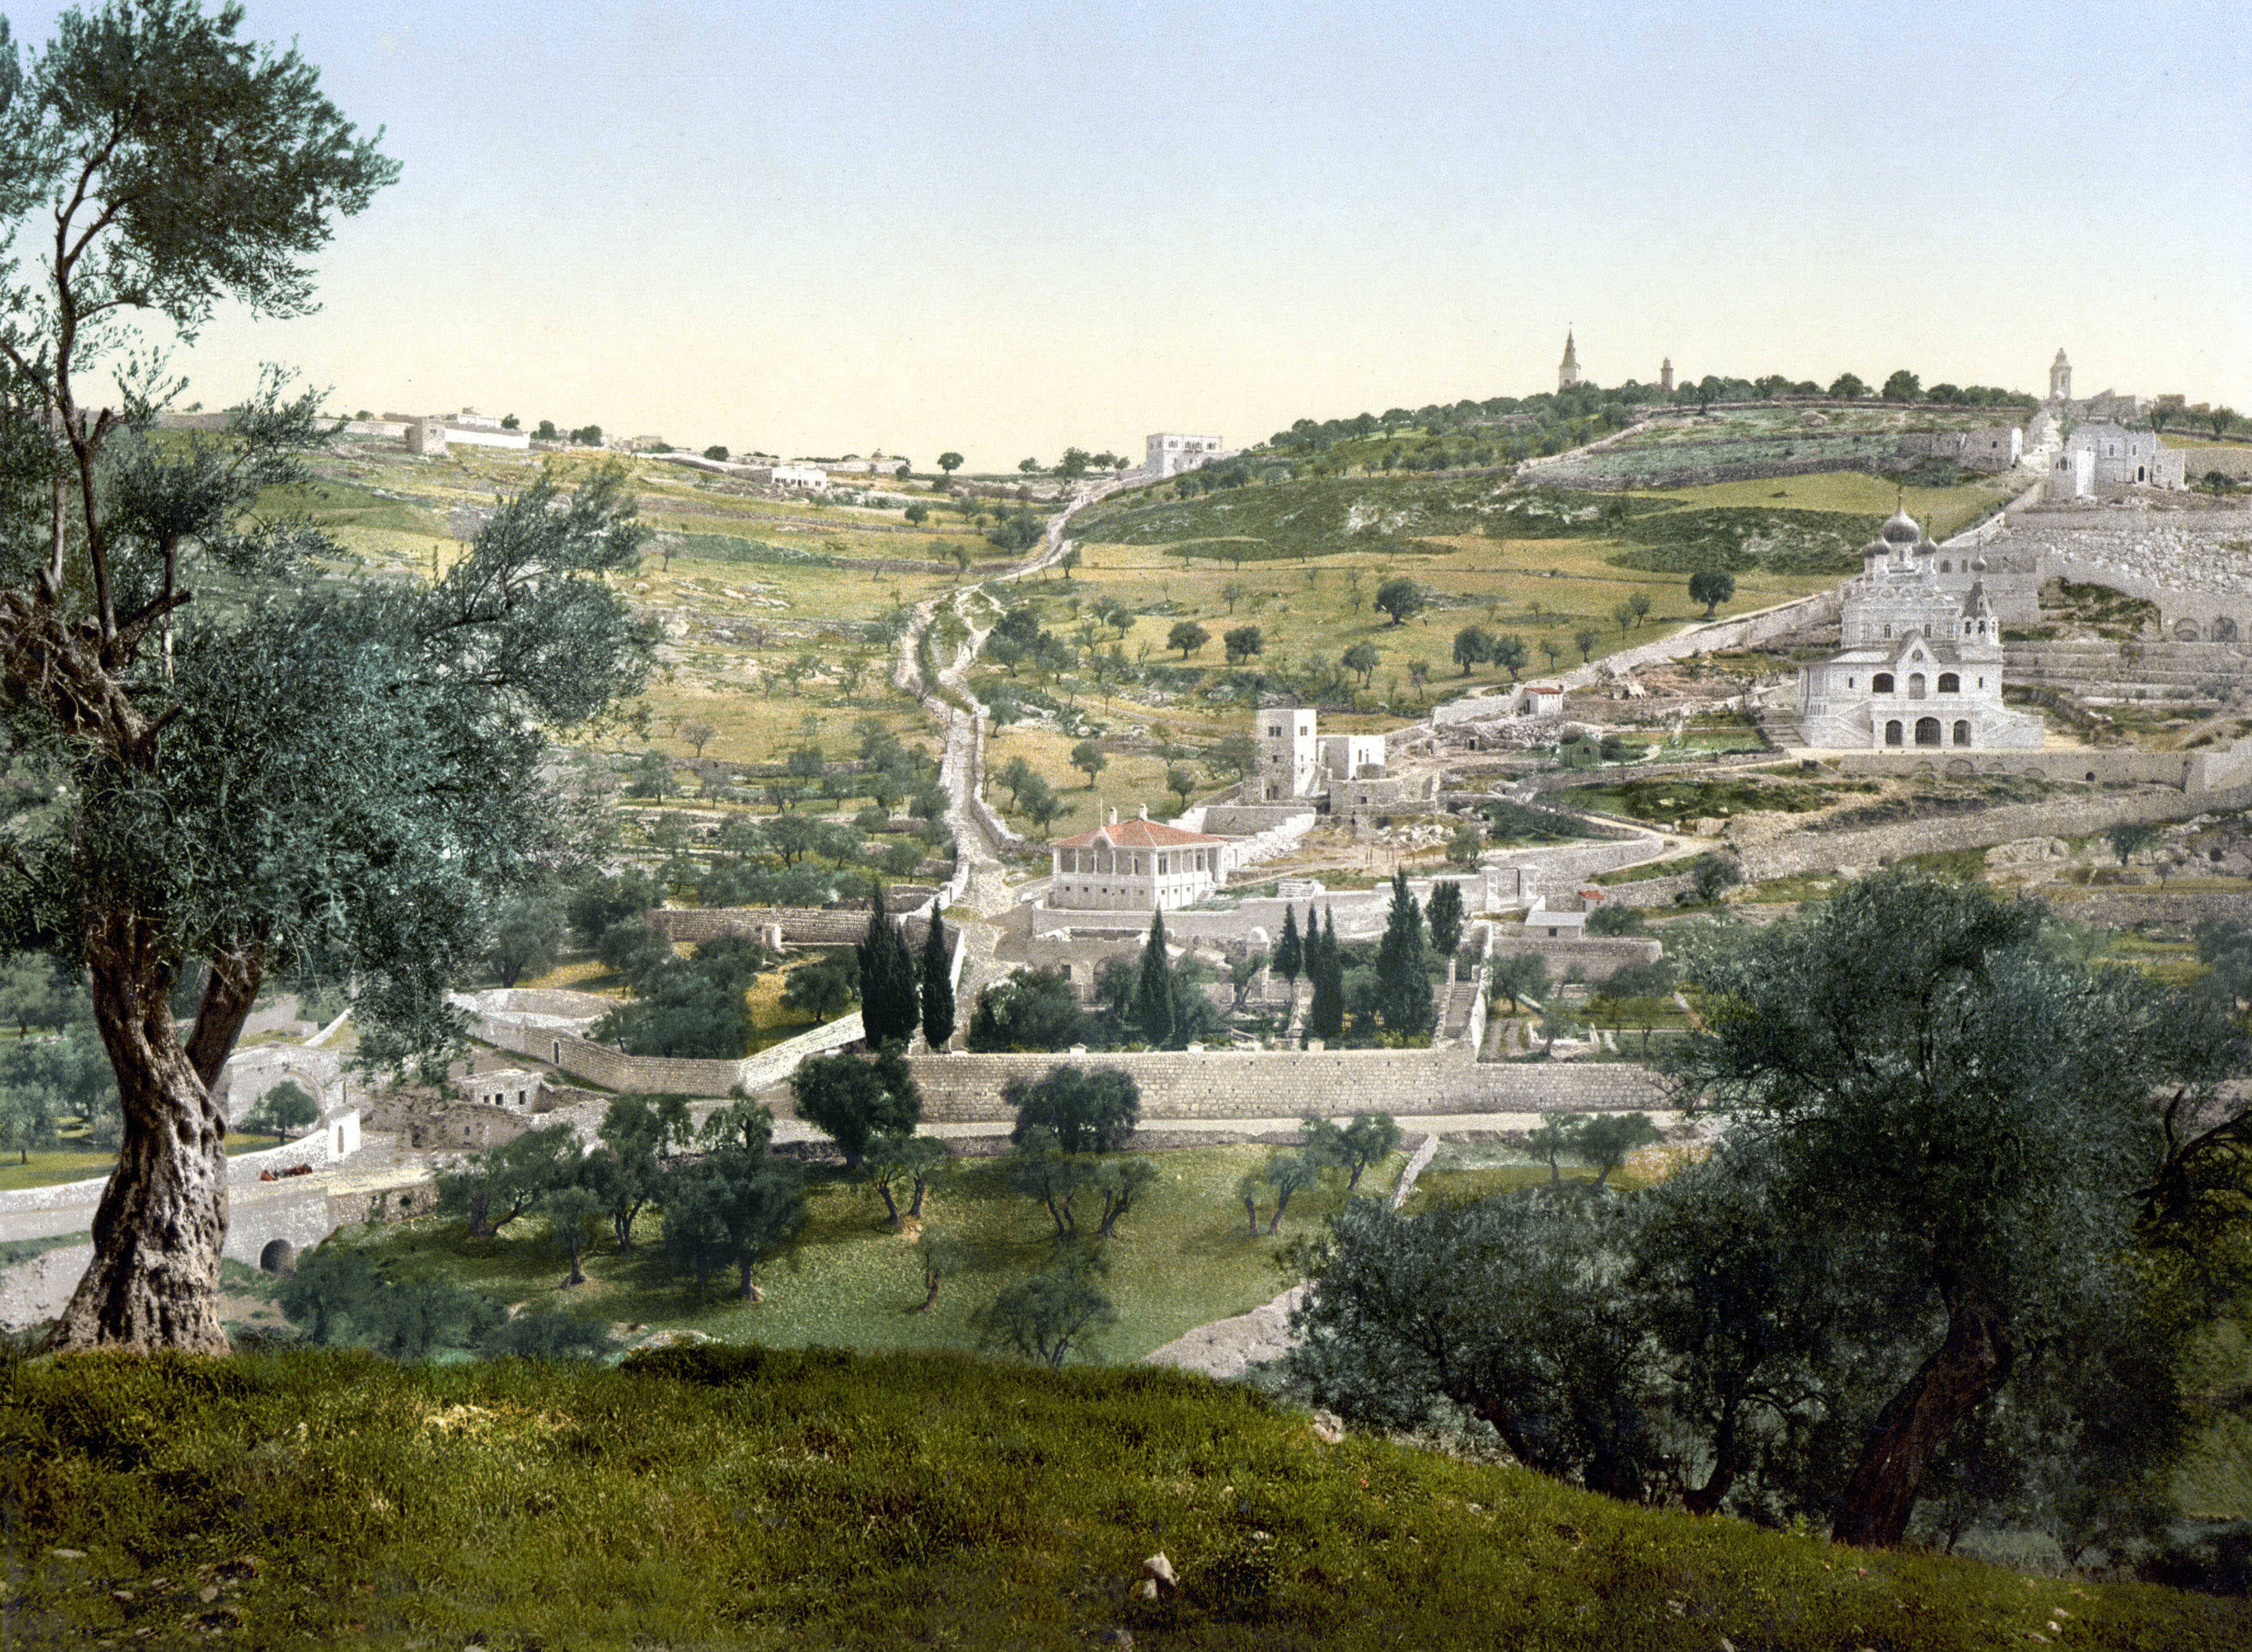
(1569, 374)
(2060, 378)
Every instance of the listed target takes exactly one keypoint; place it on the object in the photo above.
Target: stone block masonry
(1234, 1084)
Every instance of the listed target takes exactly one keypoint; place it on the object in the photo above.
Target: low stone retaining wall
(1278, 1084)
(314, 1149)
(1598, 958)
(1879, 845)
(800, 926)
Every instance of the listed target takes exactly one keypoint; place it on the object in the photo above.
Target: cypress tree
(937, 985)
(1403, 979)
(1289, 956)
(1325, 1016)
(888, 984)
(1153, 997)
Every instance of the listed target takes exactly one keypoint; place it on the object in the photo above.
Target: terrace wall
(1281, 1084)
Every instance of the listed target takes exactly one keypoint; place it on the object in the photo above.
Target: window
(1893, 732)
(1915, 685)
(1927, 731)
(1950, 683)
(1963, 733)
(1881, 682)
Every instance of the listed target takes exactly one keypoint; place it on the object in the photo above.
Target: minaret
(1569, 374)
(1666, 375)
(2060, 377)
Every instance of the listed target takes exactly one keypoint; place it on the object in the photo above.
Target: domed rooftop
(1901, 530)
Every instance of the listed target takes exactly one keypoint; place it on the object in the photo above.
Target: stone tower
(1666, 375)
(2060, 378)
(1569, 374)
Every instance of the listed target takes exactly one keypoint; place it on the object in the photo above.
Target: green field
(1183, 1257)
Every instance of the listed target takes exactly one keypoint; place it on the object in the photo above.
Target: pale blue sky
(1006, 228)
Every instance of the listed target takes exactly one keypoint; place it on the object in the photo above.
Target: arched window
(1963, 733)
(1945, 567)
(1893, 732)
(1927, 731)
(1950, 683)
(1881, 682)
(1915, 685)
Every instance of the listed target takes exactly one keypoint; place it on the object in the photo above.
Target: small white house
(1541, 699)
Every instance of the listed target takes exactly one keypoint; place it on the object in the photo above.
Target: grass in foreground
(743, 1497)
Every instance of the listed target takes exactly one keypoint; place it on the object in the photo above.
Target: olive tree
(240, 785)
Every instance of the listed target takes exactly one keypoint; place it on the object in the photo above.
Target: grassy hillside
(745, 1498)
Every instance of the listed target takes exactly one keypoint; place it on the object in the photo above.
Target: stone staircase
(1455, 1010)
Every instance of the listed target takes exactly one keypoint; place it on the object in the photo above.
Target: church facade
(1921, 664)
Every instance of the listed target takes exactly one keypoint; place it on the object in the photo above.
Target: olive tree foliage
(1945, 1086)
(1937, 1270)
(229, 769)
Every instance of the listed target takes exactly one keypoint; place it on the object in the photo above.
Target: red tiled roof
(1135, 834)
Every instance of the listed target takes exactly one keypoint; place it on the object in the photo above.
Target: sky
(1011, 227)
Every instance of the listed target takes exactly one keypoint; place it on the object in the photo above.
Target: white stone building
(1296, 759)
(518, 1089)
(1169, 455)
(1136, 865)
(1922, 666)
(1568, 372)
(2104, 457)
(813, 478)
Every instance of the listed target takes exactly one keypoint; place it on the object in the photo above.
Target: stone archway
(278, 1256)
(2186, 631)
(1927, 731)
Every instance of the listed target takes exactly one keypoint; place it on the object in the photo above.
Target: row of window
(1109, 862)
(1928, 731)
(1882, 684)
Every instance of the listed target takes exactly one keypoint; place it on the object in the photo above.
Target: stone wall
(2196, 565)
(800, 926)
(1879, 845)
(2113, 765)
(1649, 892)
(1597, 958)
(1283, 1084)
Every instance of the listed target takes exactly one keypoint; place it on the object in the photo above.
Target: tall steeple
(1569, 374)
(2060, 378)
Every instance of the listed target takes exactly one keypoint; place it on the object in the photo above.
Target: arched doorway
(2186, 631)
(1915, 685)
(1927, 731)
(1963, 732)
(279, 1256)
(1893, 732)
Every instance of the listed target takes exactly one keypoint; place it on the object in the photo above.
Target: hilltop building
(1921, 664)
(2107, 404)
(1136, 865)
(1171, 453)
(1568, 374)
(1665, 377)
(1344, 775)
(2103, 457)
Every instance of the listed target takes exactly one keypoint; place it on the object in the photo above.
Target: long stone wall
(1825, 851)
(1597, 958)
(1283, 1084)
(800, 926)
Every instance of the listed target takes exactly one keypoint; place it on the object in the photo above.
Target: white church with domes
(1921, 664)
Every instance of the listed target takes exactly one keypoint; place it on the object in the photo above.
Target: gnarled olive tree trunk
(1963, 1373)
(161, 1221)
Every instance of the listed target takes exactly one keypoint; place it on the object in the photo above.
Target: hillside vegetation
(747, 1498)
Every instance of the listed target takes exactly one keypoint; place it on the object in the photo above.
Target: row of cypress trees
(1403, 982)
(897, 991)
